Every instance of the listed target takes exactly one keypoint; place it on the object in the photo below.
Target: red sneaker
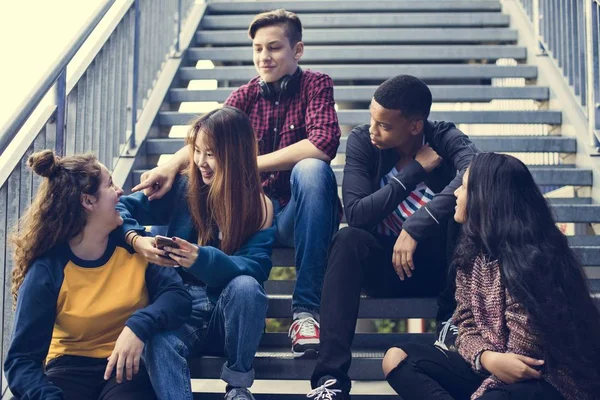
(305, 333)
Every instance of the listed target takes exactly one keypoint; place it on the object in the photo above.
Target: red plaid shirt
(309, 114)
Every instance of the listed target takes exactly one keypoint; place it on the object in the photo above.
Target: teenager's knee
(312, 173)
(349, 237)
(165, 345)
(246, 288)
(393, 357)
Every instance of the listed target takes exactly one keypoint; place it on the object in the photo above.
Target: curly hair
(56, 214)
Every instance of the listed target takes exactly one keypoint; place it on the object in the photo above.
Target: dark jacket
(366, 204)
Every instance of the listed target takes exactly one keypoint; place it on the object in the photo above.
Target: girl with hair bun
(86, 303)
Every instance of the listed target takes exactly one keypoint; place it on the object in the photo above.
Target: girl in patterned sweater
(527, 325)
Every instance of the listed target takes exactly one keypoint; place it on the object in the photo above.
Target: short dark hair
(406, 93)
(291, 22)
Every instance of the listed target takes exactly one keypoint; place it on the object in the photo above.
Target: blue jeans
(233, 326)
(308, 222)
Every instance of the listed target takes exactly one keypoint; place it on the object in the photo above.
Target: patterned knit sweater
(489, 319)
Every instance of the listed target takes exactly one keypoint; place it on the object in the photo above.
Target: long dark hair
(509, 220)
(234, 198)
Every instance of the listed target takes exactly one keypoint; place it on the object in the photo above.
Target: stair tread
(441, 93)
(375, 72)
(379, 19)
(349, 6)
(524, 144)
(372, 35)
(356, 117)
(388, 52)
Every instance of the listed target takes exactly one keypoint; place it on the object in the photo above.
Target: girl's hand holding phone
(146, 246)
(185, 255)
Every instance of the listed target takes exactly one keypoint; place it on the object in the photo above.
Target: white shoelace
(323, 393)
(306, 327)
(446, 326)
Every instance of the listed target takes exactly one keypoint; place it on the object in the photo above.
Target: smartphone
(163, 241)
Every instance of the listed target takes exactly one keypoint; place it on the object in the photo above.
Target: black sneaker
(447, 336)
(329, 390)
(238, 394)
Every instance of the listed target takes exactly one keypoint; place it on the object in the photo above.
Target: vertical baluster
(12, 218)
(3, 262)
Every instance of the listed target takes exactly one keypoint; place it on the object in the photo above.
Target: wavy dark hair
(56, 214)
(509, 220)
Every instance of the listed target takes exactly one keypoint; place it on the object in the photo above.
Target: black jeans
(429, 373)
(82, 378)
(357, 260)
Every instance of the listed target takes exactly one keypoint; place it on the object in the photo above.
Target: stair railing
(88, 101)
(569, 32)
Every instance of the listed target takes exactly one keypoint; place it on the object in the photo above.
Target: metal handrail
(9, 130)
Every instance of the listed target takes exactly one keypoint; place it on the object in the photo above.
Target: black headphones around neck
(289, 85)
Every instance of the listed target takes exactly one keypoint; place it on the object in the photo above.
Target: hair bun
(44, 163)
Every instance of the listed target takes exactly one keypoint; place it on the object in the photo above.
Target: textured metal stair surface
(544, 176)
(280, 306)
(363, 341)
(531, 144)
(371, 36)
(441, 94)
(398, 53)
(365, 20)
(353, 6)
(356, 117)
(367, 72)
(586, 247)
(291, 396)
(366, 365)
(291, 389)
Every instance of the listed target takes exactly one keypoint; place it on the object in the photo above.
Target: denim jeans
(233, 327)
(307, 223)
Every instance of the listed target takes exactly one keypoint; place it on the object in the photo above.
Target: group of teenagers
(102, 312)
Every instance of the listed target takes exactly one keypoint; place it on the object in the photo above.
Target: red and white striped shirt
(392, 224)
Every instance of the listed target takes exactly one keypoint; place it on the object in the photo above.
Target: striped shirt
(392, 224)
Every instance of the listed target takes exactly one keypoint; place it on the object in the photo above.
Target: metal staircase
(143, 81)
(454, 46)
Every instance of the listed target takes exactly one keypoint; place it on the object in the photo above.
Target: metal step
(372, 53)
(441, 94)
(366, 365)
(365, 341)
(525, 144)
(357, 117)
(372, 36)
(280, 306)
(296, 396)
(365, 20)
(550, 176)
(586, 247)
(341, 7)
(214, 389)
(373, 72)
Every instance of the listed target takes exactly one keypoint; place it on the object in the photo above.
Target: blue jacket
(213, 267)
